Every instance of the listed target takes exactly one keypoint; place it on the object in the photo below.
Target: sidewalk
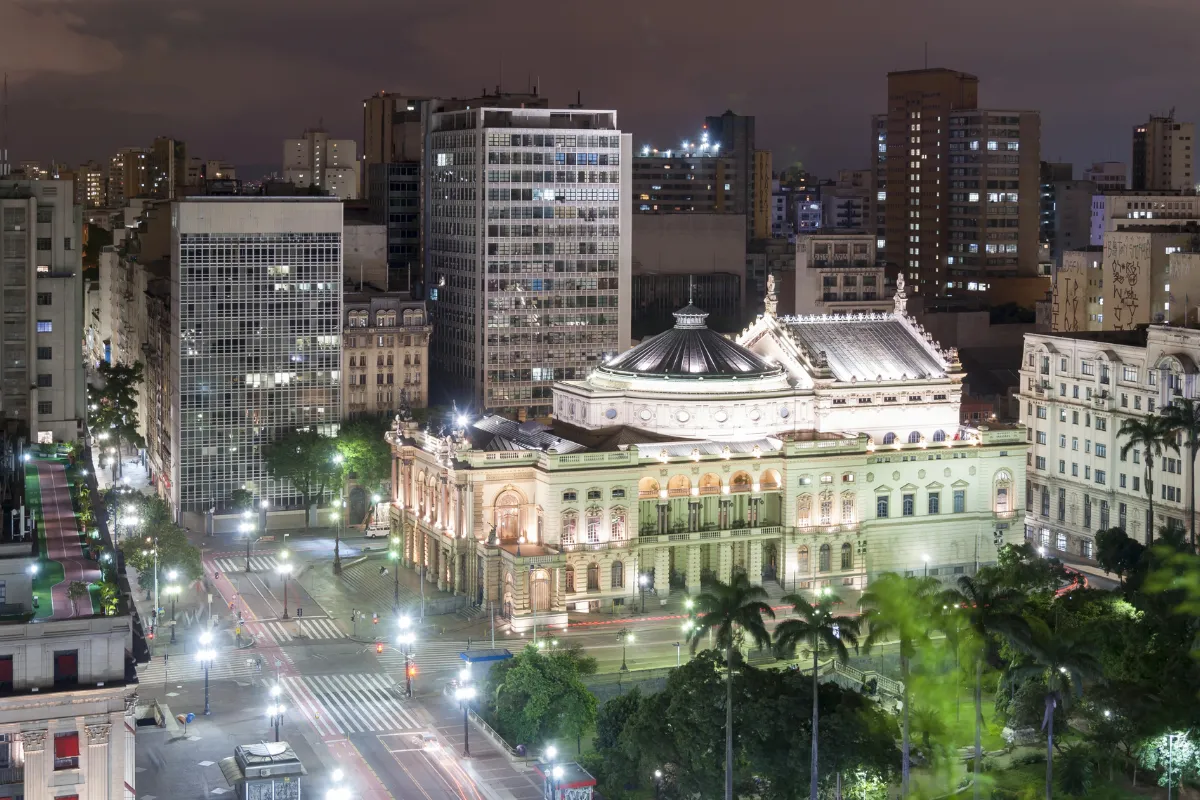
(61, 541)
(487, 764)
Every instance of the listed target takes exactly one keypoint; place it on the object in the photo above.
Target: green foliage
(112, 407)
(1182, 416)
(241, 500)
(1023, 570)
(1150, 434)
(306, 460)
(680, 731)
(537, 697)
(731, 611)
(1117, 553)
(76, 590)
(156, 525)
(97, 239)
(110, 597)
(367, 454)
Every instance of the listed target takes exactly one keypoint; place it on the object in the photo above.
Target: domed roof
(690, 350)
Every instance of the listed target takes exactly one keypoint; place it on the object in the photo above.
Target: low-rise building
(836, 274)
(1143, 210)
(386, 353)
(1076, 391)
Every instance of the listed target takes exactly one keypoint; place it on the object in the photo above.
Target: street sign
(210, 597)
(238, 630)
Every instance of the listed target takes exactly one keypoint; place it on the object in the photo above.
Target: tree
(900, 607)
(113, 406)
(1183, 417)
(241, 500)
(306, 459)
(156, 524)
(96, 239)
(365, 452)
(988, 610)
(1148, 434)
(1063, 659)
(538, 696)
(76, 590)
(816, 624)
(1117, 553)
(731, 610)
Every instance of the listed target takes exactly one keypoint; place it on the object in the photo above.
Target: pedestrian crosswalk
(238, 564)
(432, 656)
(349, 703)
(374, 591)
(185, 668)
(303, 628)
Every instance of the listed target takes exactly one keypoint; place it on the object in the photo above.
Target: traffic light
(150, 635)
(375, 619)
(411, 670)
(379, 648)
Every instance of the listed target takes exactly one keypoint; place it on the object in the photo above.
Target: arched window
(647, 488)
(617, 531)
(914, 437)
(593, 525)
(823, 564)
(1003, 502)
(804, 510)
(352, 361)
(570, 526)
(508, 516)
(939, 435)
(847, 556)
(679, 485)
(710, 483)
(769, 481)
(593, 577)
(618, 575)
(539, 590)
(391, 360)
(889, 438)
(802, 560)
(379, 360)
(570, 579)
(740, 482)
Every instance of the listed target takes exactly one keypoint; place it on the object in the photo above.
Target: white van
(376, 531)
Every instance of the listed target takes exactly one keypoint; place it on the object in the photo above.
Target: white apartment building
(528, 249)
(1112, 212)
(1110, 177)
(42, 384)
(256, 294)
(315, 160)
(1076, 390)
(1163, 155)
(836, 274)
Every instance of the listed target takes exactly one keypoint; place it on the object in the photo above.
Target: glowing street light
(205, 656)
(625, 636)
(285, 570)
(465, 694)
(275, 709)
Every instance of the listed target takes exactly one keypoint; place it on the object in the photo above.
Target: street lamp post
(625, 636)
(285, 570)
(925, 558)
(275, 710)
(406, 639)
(657, 783)
(173, 590)
(643, 580)
(555, 772)
(248, 529)
(154, 551)
(338, 791)
(1171, 737)
(206, 655)
(338, 459)
(465, 694)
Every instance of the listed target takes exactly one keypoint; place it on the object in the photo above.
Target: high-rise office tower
(1162, 155)
(528, 256)
(315, 160)
(89, 185)
(128, 176)
(961, 183)
(257, 294)
(42, 384)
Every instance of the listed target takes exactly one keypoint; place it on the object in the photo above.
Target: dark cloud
(235, 77)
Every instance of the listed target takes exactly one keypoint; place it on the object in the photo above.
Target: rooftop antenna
(4, 131)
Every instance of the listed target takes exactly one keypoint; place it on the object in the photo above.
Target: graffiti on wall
(1127, 258)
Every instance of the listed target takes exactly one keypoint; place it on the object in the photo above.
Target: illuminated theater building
(812, 452)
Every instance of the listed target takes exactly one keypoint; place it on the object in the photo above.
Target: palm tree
(729, 611)
(1183, 416)
(987, 611)
(900, 608)
(1064, 658)
(817, 625)
(1148, 434)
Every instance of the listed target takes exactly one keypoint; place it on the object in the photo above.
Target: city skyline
(106, 61)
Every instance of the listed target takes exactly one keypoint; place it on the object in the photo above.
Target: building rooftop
(690, 349)
(865, 347)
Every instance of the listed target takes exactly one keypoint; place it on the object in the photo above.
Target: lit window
(45, 326)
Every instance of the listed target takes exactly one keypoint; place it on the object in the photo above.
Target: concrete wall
(364, 253)
(683, 244)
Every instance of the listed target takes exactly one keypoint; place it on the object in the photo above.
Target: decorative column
(662, 572)
(754, 567)
(662, 516)
(98, 762)
(36, 773)
(725, 561)
(693, 568)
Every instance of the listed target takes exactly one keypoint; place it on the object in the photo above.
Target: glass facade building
(528, 250)
(258, 343)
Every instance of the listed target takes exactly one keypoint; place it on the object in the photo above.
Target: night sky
(234, 78)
